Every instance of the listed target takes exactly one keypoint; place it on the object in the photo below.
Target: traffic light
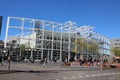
(1, 23)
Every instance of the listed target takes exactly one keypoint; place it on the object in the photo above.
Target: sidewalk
(22, 66)
(36, 71)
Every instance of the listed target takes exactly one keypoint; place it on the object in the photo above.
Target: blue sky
(104, 15)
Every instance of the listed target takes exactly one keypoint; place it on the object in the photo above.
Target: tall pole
(48, 55)
(82, 50)
(101, 62)
(69, 43)
(43, 32)
(52, 41)
(61, 43)
(6, 35)
(76, 45)
(9, 58)
(101, 59)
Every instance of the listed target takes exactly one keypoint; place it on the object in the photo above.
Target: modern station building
(115, 42)
(55, 40)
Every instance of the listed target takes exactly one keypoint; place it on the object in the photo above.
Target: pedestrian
(80, 62)
(31, 59)
(55, 60)
(1, 60)
(66, 62)
(9, 59)
(45, 62)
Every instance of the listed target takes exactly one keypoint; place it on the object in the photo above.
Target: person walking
(9, 59)
(45, 62)
(66, 62)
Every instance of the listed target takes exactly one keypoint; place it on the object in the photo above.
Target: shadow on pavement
(30, 71)
(45, 71)
(51, 71)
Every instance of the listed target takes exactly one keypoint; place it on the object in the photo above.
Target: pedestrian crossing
(87, 76)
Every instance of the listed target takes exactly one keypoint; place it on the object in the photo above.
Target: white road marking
(93, 75)
(65, 78)
(108, 73)
(112, 78)
(99, 74)
(86, 76)
(104, 74)
(73, 77)
(113, 73)
(118, 73)
(80, 76)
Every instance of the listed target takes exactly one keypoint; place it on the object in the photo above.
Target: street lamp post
(9, 54)
(101, 55)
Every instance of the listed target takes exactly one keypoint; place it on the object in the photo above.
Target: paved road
(29, 71)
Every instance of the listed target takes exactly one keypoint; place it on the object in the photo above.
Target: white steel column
(61, 45)
(33, 26)
(22, 28)
(48, 55)
(21, 36)
(6, 36)
(52, 41)
(31, 56)
(69, 43)
(43, 24)
(76, 45)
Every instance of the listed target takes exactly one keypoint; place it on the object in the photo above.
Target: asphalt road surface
(36, 71)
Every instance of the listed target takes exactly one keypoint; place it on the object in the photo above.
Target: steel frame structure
(46, 32)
